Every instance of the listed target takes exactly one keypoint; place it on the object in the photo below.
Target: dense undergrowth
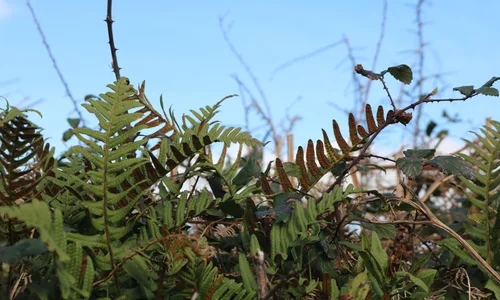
(143, 208)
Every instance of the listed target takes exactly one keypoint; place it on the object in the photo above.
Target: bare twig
(109, 21)
(435, 186)
(54, 62)
(246, 67)
(277, 139)
(305, 57)
(420, 72)
(265, 110)
(377, 52)
(388, 94)
(398, 113)
(358, 86)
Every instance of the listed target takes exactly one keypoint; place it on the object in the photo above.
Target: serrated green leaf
(410, 167)
(402, 73)
(488, 91)
(453, 165)
(490, 82)
(465, 90)
(419, 153)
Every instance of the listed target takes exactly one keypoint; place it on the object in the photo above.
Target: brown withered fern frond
(318, 159)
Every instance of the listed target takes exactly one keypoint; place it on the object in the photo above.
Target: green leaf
(494, 287)
(456, 248)
(137, 268)
(410, 167)
(334, 290)
(68, 134)
(358, 288)
(377, 277)
(250, 170)
(23, 248)
(430, 128)
(420, 263)
(417, 281)
(385, 231)
(282, 206)
(412, 164)
(453, 165)
(419, 153)
(74, 122)
(247, 276)
(490, 82)
(402, 73)
(38, 214)
(465, 90)
(488, 91)
(379, 252)
(291, 169)
(254, 245)
(427, 275)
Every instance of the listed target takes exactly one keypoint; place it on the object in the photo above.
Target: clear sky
(178, 48)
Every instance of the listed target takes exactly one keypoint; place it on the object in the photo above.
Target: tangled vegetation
(143, 208)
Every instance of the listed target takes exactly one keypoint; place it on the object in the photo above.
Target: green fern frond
(38, 215)
(229, 289)
(117, 179)
(202, 126)
(65, 189)
(484, 191)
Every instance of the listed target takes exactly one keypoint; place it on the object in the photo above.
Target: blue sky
(177, 47)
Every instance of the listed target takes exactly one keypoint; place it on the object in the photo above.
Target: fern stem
(105, 212)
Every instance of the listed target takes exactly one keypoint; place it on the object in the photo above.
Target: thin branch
(398, 113)
(379, 157)
(421, 57)
(284, 280)
(393, 222)
(245, 66)
(377, 51)
(358, 87)
(109, 22)
(305, 57)
(388, 94)
(278, 143)
(437, 223)
(435, 186)
(54, 62)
